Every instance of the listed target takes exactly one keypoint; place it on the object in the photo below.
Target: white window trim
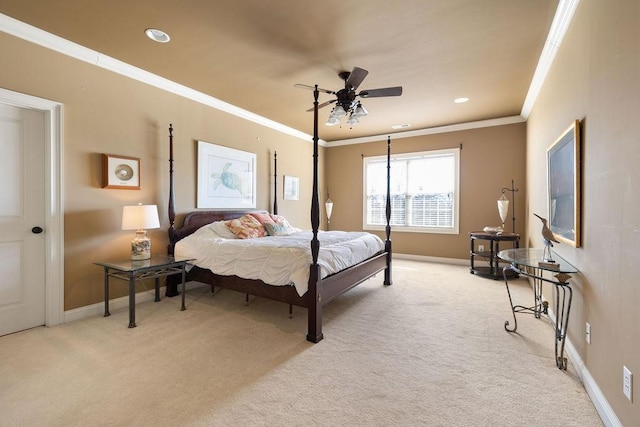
(456, 203)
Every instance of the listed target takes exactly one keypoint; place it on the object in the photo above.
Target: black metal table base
(132, 276)
(563, 296)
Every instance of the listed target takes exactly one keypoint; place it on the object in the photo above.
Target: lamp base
(140, 246)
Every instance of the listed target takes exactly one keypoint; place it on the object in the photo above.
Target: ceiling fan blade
(324, 104)
(356, 77)
(301, 86)
(387, 91)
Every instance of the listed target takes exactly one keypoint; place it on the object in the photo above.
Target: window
(424, 191)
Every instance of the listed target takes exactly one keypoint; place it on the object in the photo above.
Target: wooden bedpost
(172, 201)
(172, 283)
(315, 305)
(275, 183)
(387, 243)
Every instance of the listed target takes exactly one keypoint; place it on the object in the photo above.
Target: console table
(530, 263)
(154, 268)
(493, 245)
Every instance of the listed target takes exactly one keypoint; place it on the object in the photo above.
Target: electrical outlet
(588, 333)
(627, 385)
(481, 248)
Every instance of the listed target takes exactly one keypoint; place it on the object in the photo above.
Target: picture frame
(226, 177)
(120, 172)
(291, 190)
(564, 186)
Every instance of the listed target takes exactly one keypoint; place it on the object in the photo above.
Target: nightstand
(131, 271)
(489, 253)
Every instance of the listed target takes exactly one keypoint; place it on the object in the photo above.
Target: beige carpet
(429, 350)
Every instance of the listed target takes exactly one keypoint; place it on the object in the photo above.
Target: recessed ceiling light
(157, 35)
(461, 100)
(402, 126)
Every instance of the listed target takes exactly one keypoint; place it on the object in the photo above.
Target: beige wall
(108, 113)
(490, 158)
(596, 79)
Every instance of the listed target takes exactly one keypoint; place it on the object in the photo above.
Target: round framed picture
(120, 172)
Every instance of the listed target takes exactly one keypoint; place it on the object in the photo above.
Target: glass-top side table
(531, 263)
(132, 270)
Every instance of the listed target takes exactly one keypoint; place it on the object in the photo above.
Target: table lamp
(139, 218)
(503, 206)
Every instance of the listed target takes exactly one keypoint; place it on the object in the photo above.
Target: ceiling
(251, 53)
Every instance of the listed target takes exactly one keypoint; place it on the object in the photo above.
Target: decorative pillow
(246, 227)
(279, 219)
(222, 229)
(263, 218)
(274, 229)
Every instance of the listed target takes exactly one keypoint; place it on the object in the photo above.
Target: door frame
(54, 208)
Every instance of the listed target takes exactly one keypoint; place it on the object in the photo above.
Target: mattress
(277, 260)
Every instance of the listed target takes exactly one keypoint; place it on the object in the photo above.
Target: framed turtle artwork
(226, 177)
(120, 172)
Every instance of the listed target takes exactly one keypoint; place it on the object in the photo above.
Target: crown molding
(58, 44)
(559, 26)
(561, 22)
(430, 131)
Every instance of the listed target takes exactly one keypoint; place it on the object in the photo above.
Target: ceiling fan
(347, 102)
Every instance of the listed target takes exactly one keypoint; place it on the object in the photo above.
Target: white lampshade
(352, 120)
(332, 121)
(329, 208)
(338, 111)
(139, 218)
(360, 111)
(503, 208)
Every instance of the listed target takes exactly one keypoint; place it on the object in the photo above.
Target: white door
(22, 211)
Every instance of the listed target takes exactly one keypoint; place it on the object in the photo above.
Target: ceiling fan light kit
(346, 102)
(354, 111)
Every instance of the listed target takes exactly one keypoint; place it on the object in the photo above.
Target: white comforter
(277, 260)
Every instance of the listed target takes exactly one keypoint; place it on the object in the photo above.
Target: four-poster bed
(321, 290)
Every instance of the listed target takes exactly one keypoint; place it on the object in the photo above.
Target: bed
(322, 285)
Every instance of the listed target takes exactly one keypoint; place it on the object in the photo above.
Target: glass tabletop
(129, 265)
(534, 258)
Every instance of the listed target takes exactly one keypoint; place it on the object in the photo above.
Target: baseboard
(115, 304)
(608, 416)
(440, 260)
(605, 411)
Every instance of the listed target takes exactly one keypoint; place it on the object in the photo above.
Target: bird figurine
(549, 238)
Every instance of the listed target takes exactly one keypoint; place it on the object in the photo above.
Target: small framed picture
(120, 172)
(291, 187)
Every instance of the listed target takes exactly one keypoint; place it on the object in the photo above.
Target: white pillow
(221, 229)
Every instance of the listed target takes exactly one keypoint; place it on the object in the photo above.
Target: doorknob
(36, 230)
